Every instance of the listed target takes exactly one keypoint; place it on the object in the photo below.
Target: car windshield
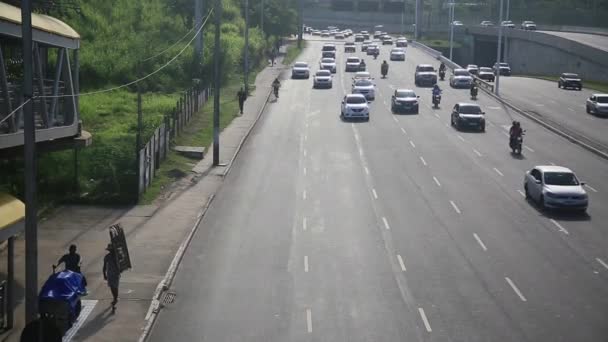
(485, 69)
(301, 65)
(329, 48)
(363, 83)
(602, 99)
(404, 93)
(472, 66)
(560, 178)
(425, 68)
(327, 60)
(570, 75)
(397, 50)
(504, 65)
(356, 100)
(323, 73)
(461, 73)
(353, 60)
(470, 109)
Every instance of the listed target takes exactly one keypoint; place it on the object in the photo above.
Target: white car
(457, 23)
(365, 45)
(322, 79)
(555, 187)
(528, 25)
(328, 64)
(398, 54)
(300, 70)
(339, 36)
(362, 75)
(354, 106)
(472, 69)
(365, 87)
(598, 104)
(461, 78)
(353, 64)
(486, 23)
(371, 49)
(425, 74)
(508, 23)
(401, 42)
(349, 47)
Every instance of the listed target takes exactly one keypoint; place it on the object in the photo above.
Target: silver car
(353, 64)
(598, 104)
(398, 54)
(300, 70)
(555, 187)
(322, 79)
(366, 88)
(354, 106)
(425, 75)
(328, 64)
(461, 78)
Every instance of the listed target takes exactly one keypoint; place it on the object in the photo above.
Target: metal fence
(155, 150)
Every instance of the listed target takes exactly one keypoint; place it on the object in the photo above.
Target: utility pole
(262, 17)
(506, 54)
(29, 147)
(300, 21)
(198, 19)
(138, 137)
(216, 84)
(451, 15)
(417, 19)
(246, 78)
(498, 50)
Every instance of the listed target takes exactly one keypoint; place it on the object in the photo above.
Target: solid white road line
(460, 137)
(401, 263)
(412, 143)
(309, 321)
(602, 262)
(304, 194)
(360, 151)
(477, 152)
(480, 242)
(305, 137)
(489, 124)
(437, 115)
(523, 194)
(498, 171)
(356, 136)
(455, 207)
(366, 170)
(425, 320)
(306, 263)
(529, 149)
(570, 109)
(304, 223)
(436, 181)
(403, 130)
(395, 118)
(559, 226)
(423, 161)
(521, 296)
(386, 223)
(591, 188)
(304, 152)
(375, 193)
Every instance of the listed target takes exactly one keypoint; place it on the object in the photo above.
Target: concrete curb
(546, 125)
(155, 306)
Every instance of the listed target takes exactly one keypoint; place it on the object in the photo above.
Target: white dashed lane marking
(306, 263)
(436, 181)
(412, 143)
(477, 152)
(385, 223)
(514, 287)
(456, 209)
(423, 161)
(375, 193)
(401, 263)
(427, 325)
(309, 320)
(498, 171)
(483, 246)
(559, 227)
(602, 263)
(590, 188)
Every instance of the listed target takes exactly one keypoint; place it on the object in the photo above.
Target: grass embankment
(293, 51)
(599, 86)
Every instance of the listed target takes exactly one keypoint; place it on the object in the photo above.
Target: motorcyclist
(514, 132)
(384, 69)
(276, 84)
(376, 53)
(442, 71)
(474, 90)
(362, 65)
(442, 67)
(436, 90)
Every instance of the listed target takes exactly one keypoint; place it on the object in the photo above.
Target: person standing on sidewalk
(111, 274)
(242, 96)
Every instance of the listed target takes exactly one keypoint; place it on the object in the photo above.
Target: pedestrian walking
(272, 57)
(71, 260)
(242, 96)
(111, 274)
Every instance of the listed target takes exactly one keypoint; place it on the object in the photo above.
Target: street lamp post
(246, 76)
(451, 15)
(498, 50)
(506, 53)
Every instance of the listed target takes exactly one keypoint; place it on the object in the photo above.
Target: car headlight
(550, 194)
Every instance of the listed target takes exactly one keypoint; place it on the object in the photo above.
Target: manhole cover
(169, 298)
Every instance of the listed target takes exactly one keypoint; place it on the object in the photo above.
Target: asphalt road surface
(396, 229)
(595, 40)
(563, 106)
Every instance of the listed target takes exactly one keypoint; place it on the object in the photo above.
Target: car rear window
(425, 68)
(560, 178)
(323, 73)
(397, 50)
(328, 60)
(461, 73)
(485, 69)
(570, 75)
(329, 48)
(470, 109)
(356, 100)
(301, 65)
(602, 99)
(363, 83)
(406, 94)
(353, 60)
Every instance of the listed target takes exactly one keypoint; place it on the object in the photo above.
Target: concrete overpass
(540, 52)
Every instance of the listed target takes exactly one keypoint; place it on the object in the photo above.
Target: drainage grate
(169, 298)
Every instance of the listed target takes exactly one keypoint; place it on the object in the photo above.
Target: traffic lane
(234, 282)
(349, 289)
(565, 107)
(595, 40)
(486, 200)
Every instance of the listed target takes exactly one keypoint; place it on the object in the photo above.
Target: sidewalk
(154, 234)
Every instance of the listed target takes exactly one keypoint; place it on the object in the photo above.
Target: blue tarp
(65, 285)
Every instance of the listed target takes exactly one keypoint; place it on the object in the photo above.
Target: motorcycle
(516, 144)
(442, 75)
(59, 299)
(474, 92)
(436, 100)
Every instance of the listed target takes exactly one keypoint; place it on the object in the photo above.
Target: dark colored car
(468, 115)
(404, 100)
(569, 80)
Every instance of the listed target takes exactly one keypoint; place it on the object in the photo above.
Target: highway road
(563, 106)
(595, 40)
(396, 229)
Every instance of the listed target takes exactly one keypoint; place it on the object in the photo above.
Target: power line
(167, 49)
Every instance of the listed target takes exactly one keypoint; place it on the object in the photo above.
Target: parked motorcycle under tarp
(59, 299)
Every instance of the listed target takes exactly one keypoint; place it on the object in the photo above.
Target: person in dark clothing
(111, 274)
(242, 96)
(71, 260)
